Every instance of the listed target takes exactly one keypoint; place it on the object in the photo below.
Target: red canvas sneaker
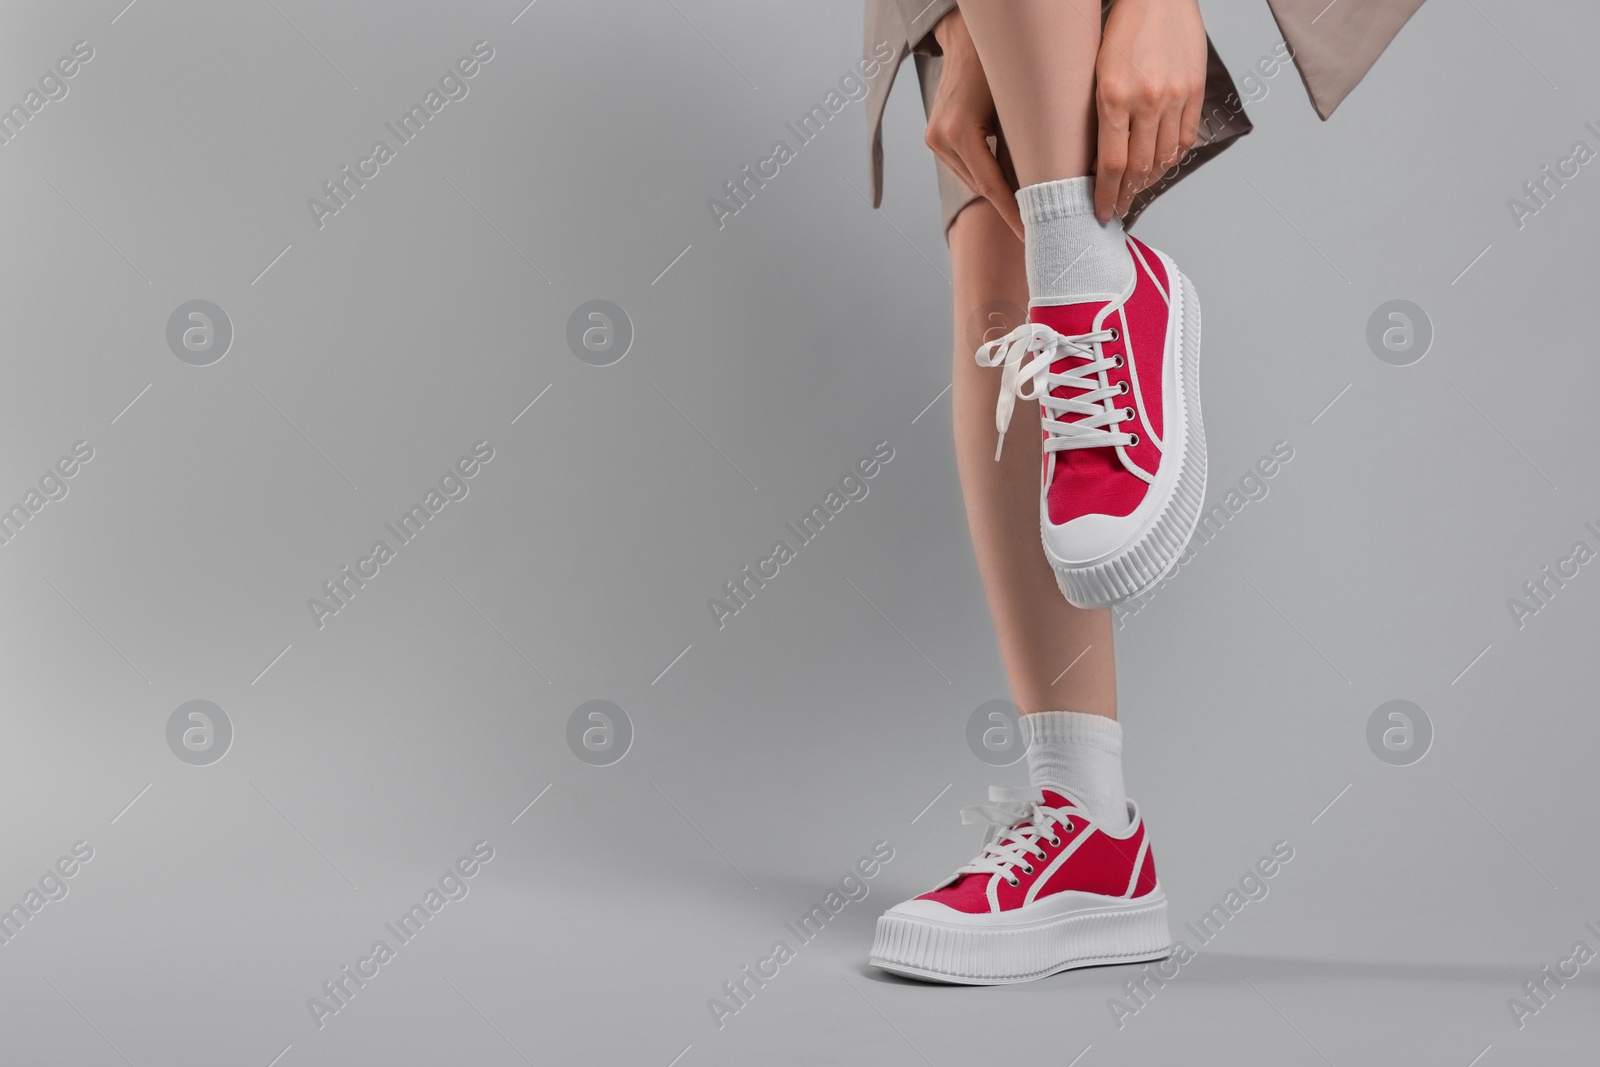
(1116, 376)
(1051, 892)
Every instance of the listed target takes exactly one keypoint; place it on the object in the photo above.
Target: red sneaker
(1117, 380)
(1053, 891)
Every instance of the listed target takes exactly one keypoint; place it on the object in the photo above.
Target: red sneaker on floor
(1117, 379)
(1053, 891)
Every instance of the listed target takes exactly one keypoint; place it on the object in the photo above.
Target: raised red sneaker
(1117, 379)
(1051, 892)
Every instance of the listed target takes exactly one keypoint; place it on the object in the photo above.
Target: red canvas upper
(1101, 864)
(1103, 481)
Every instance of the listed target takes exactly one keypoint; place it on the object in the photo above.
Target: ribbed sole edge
(938, 952)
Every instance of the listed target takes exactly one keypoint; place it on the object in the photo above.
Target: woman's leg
(1040, 633)
(1050, 135)
(1039, 57)
(1011, 914)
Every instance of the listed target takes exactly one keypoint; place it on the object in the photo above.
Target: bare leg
(1039, 57)
(1040, 633)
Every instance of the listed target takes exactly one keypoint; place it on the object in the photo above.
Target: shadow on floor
(1224, 968)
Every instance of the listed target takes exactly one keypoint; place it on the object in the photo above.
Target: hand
(963, 117)
(1150, 83)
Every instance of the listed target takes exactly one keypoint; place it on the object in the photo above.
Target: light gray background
(772, 354)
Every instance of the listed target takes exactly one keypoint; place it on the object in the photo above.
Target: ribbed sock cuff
(1064, 199)
(1076, 728)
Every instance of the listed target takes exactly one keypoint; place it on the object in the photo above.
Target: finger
(1111, 162)
(1141, 159)
(989, 182)
(944, 150)
(1189, 122)
(1002, 152)
(1166, 151)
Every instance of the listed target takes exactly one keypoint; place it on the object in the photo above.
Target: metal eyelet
(1119, 362)
(1054, 840)
(1067, 826)
(1129, 414)
(1133, 439)
(1027, 868)
(1115, 335)
(1012, 882)
(1124, 386)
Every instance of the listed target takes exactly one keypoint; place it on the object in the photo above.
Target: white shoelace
(1097, 420)
(1019, 820)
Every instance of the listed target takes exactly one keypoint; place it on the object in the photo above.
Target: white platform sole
(1144, 561)
(1034, 941)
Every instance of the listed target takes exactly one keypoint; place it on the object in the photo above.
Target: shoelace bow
(1097, 420)
(1018, 819)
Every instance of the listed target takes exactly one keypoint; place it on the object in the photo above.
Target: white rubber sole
(1145, 560)
(1034, 941)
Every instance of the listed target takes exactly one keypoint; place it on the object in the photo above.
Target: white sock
(1069, 254)
(1082, 754)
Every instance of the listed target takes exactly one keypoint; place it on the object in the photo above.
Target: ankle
(1080, 754)
(1070, 253)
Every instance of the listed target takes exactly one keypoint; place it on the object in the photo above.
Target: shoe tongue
(1067, 319)
(1058, 798)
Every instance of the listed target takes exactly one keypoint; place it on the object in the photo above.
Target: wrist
(948, 29)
